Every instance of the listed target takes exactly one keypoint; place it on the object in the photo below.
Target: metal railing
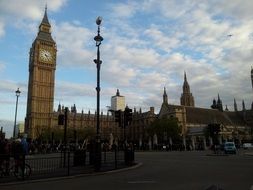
(52, 165)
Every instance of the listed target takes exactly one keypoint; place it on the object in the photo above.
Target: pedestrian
(24, 146)
(2, 151)
(17, 152)
(7, 156)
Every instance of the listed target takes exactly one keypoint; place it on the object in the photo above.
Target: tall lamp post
(15, 121)
(98, 62)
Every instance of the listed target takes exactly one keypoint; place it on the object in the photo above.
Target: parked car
(247, 145)
(229, 147)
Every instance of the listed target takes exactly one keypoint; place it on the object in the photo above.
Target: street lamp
(15, 122)
(98, 62)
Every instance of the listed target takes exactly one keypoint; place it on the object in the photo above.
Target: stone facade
(235, 125)
(137, 131)
(118, 102)
(42, 65)
(40, 117)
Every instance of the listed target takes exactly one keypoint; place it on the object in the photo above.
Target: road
(194, 170)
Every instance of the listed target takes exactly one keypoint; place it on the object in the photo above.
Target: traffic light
(118, 116)
(128, 115)
(216, 129)
(61, 119)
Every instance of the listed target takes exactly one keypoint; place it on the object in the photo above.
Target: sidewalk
(221, 153)
(250, 153)
(50, 178)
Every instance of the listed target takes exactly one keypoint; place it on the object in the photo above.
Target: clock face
(45, 55)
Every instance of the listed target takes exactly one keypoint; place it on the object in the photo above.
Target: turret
(59, 108)
(187, 98)
(117, 93)
(45, 29)
(243, 105)
(252, 77)
(214, 105)
(186, 86)
(165, 97)
(235, 105)
(219, 104)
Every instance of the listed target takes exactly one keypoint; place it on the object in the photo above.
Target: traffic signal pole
(123, 118)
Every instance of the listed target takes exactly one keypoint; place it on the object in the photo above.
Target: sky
(148, 45)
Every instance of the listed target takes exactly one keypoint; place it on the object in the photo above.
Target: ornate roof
(45, 18)
(207, 116)
(44, 36)
(204, 116)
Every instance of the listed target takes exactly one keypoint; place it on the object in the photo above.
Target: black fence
(39, 166)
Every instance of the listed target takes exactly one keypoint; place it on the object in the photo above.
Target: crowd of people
(16, 148)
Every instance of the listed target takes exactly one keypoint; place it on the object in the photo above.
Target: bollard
(68, 162)
(115, 157)
(23, 167)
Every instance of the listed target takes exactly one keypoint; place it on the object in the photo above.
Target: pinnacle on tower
(214, 105)
(218, 98)
(243, 105)
(117, 94)
(59, 107)
(219, 104)
(185, 79)
(165, 97)
(45, 29)
(252, 76)
(186, 86)
(45, 18)
(186, 97)
(235, 105)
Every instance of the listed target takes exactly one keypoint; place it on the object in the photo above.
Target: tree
(213, 130)
(165, 127)
(85, 132)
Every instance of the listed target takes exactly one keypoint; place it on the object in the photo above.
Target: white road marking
(140, 182)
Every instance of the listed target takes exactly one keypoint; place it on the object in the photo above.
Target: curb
(72, 176)
(248, 154)
(217, 155)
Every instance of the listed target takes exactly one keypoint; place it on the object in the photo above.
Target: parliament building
(41, 117)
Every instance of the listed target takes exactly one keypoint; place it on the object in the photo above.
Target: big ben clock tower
(42, 65)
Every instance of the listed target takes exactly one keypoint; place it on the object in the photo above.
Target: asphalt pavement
(195, 170)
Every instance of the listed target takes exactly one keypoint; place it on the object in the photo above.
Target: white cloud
(148, 45)
(56, 5)
(162, 40)
(133, 57)
(235, 9)
(2, 25)
(23, 12)
(197, 30)
(74, 89)
(124, 10)
(151, 82)
(9, 86)
(73, 43)
(22, 9)
(29, 9)
(117, 74)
